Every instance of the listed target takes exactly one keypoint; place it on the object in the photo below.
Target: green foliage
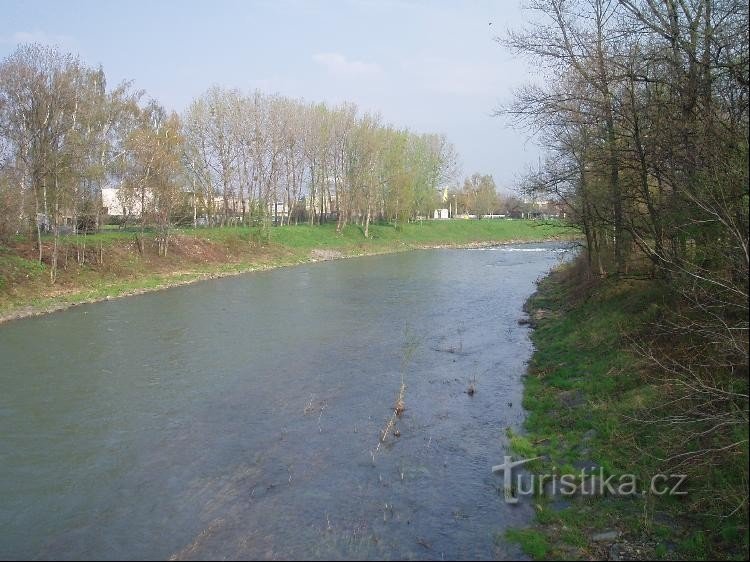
(520, 445)
(201, 252)
(532, 542)
(384, 234)
(15, 269)
(584, 349)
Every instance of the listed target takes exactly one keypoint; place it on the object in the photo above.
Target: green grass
(583, 347)
(381, 236)
(532, 542)
(106, 237)
(410, 234)
(16, 269)
(24, 283)
(520, 445)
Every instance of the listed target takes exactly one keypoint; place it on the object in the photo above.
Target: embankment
(595, 401)
(109, 265)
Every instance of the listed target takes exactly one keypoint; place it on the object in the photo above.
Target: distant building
(111, 202)
(441, 214)
(544, 209)
(114, 206)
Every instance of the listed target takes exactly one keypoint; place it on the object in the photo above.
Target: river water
(241, 417)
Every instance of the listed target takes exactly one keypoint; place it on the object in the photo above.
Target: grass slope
(108, 264)
(584, 392)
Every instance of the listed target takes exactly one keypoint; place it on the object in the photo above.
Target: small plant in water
(410, 346)
(400, 405)
(472, 386)
(460, 331)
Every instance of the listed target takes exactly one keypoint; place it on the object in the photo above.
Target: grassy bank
(109, 264)
(588, 393)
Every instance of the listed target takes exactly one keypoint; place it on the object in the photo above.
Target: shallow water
(239, 418)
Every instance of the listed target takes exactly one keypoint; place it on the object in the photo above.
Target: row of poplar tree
(229, 158)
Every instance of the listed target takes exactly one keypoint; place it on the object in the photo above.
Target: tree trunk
(367, 221)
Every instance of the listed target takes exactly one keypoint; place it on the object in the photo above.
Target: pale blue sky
(431, 66)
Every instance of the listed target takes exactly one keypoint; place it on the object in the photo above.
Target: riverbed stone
(606, 536)
(571, 398)
(616, 552)
(558, 492)
(589, 435)
(586, 464)
(591, 486)
(559, 504)
(626, 550)
(540, 313)
(324, 254)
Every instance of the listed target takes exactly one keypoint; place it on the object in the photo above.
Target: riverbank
(592, 400)
(109, 265)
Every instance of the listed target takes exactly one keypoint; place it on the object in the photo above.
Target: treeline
(231, 158)
(642, 106)
(316, 160)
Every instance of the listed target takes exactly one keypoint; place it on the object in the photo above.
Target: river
(241, 417)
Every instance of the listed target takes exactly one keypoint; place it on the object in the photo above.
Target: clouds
(458, 77)
(429, 66)
(339, 65)
(65, 42)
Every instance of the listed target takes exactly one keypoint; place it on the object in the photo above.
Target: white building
(114, 206)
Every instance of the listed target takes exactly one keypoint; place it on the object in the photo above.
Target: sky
(432, 66)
